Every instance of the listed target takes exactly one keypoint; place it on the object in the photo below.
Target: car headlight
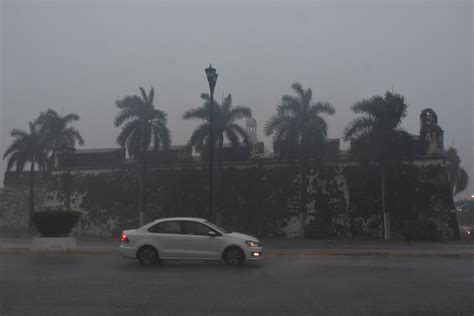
(252, 244)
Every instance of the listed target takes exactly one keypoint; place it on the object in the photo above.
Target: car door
(170, 239)
(201, 245)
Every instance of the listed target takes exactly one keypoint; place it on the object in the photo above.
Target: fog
(81, 56)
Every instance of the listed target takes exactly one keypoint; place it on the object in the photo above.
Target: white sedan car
(188, 238)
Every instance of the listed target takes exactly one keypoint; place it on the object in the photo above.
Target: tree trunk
(220, 162)
(220, 157)
(302, 196)
(141, 198)
(31, 206)
(386, 214)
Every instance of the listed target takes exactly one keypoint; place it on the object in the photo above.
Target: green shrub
(55, 222)
(422, 230)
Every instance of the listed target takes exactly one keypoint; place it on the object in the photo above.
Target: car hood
(242, 236)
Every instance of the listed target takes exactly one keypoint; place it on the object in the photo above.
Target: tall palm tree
(60, 137)
(299, 131)
(27, 147)
(144, 126)
(376, 135)
(226, 117)
(458, 177)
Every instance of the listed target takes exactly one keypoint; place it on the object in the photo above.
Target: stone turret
(251, 127)
(431, 134)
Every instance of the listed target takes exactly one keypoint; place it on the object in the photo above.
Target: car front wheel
(148, 256)
(234, 256)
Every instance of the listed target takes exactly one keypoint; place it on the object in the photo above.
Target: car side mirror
(212, 233)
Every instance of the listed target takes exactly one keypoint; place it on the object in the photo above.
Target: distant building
(431, 134)
(178, 153)
(251, 128)
(94, 158)
(430, 143)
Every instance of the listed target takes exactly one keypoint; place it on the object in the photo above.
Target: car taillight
(124, 238)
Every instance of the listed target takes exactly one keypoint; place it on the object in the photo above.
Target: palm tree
(226, 117)
(60, 137)
(458, 177)
(27, 148)
(299, 131)
(376, 136)
(143, 126)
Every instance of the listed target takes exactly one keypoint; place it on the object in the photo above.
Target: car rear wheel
(234, 256)
(148, 256)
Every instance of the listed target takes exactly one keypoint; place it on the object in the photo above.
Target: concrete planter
(53, 244)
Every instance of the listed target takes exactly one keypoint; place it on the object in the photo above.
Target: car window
(218, 228)
(194, 228)
(171, 227)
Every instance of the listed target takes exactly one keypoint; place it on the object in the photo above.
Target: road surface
(281, 285)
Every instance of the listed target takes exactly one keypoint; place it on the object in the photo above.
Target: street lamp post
(212, 79)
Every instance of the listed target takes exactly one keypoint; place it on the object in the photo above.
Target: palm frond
(132, 102)
(72, 134)
(18, 133)
(232, 136)
(18, 144)
(370, 106)
(127, 131)
(358, 126)
(298, 89)
(205, 96)
(462, 181)
(69, 118)
(316, 126)
(280, 121)
(151, 96)
(289, 104)
(161, 135)
(199, 134)
(241, 132)
(227, 102)
(324, 108)
(201, 113)
(159, 116)
(144, 95)
(131, 108)
(240, 112)
(14, 158)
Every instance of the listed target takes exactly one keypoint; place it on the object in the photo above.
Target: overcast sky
(84, 55)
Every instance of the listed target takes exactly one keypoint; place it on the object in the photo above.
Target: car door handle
(187, 238)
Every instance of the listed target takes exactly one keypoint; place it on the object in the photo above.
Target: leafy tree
(458, 177)
(27, 147)
(60, 137)
(299, 131)
(465, 212)
(376, 136)
(226, 117)
(143, 126)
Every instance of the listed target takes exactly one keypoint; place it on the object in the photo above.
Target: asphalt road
(289, 285)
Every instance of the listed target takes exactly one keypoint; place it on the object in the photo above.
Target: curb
(362, 254)
(269, 253)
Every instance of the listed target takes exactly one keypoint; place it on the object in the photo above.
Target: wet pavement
(280, 285)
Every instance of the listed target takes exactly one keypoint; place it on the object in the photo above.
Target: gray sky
(84, 55)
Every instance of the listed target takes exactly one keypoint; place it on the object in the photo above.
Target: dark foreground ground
(281, 285)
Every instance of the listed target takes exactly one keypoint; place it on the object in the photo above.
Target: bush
(55, 222)
(422, 230)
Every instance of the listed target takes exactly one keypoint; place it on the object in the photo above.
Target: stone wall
(14, 205)
(259, 197)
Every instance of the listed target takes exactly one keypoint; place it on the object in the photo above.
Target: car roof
(195, 219)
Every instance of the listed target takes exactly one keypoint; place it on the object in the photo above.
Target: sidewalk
(284, 247)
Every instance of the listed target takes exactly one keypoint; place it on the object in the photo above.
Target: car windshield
(220, 229)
